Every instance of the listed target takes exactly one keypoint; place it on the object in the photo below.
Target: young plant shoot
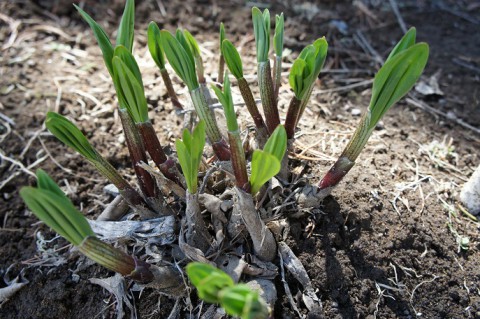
(261, 26)
(50, 205)
(303, 74)
(221, 61)
(234, 64)
(396, 77)
(181, 58)
(278, 47)
(236, 148)
(158, 55)
(215, 286)
(189, 152)
(265, 165)
(131, 96)
(70, 135)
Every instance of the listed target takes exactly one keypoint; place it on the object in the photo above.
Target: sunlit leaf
(264, 167)
(102, 39)
(232, 59)
(277, 143)
(126, 27)
(155, 46)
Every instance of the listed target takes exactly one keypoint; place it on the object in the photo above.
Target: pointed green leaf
(180, 59)
(261, 27)
(406, 42)
(226, 100)
(277, 143)
(192, 43)
(264, 167)
(396, 78)
(70, 135)
(102, 39)
(232, 59)
(58, 213)
(129, 60)
(296, 78)
(47, 183)
(130, 91)
(189, 152)
(126, 28)
(279, 33)
(154, 45)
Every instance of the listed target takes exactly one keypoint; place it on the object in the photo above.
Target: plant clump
(235, 228)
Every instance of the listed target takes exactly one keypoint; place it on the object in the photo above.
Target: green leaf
(189, 152)
(232, 59)
(226, 100)
(307, 67)
(58, 213)
(155, 46)
(181, 60)
(129, 60)
(208, 280)
(241, 301)
(193, 44)
(47, 183)
(130, 91)
(406, 42)
(277, 143)
(264, 167)
(102, 39)
(396, 78)
(70, 135)
(261, 27)
(279, 33)
(126, 27)
(297, 77)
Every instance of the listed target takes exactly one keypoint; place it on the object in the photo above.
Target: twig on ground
(400, 20)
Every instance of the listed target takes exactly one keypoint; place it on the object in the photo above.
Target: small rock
(356, 112)
(470, 194)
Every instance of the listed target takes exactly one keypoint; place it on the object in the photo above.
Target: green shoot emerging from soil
(396, 77)
(50, 205)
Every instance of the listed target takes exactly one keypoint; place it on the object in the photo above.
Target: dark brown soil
(380, 246)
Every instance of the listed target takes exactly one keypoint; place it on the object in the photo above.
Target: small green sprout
(221, 62)
(278, 47)
(129, 85)
(303, 74)
(195, 48)
(180, 56)
(70, 135)
(158, 55)
(51, 206)
(394, 79)
(215, 286)
(236, 147)
(267, 163)
(234, 64)
(261, 26)
(180, 59)
(189, 152)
